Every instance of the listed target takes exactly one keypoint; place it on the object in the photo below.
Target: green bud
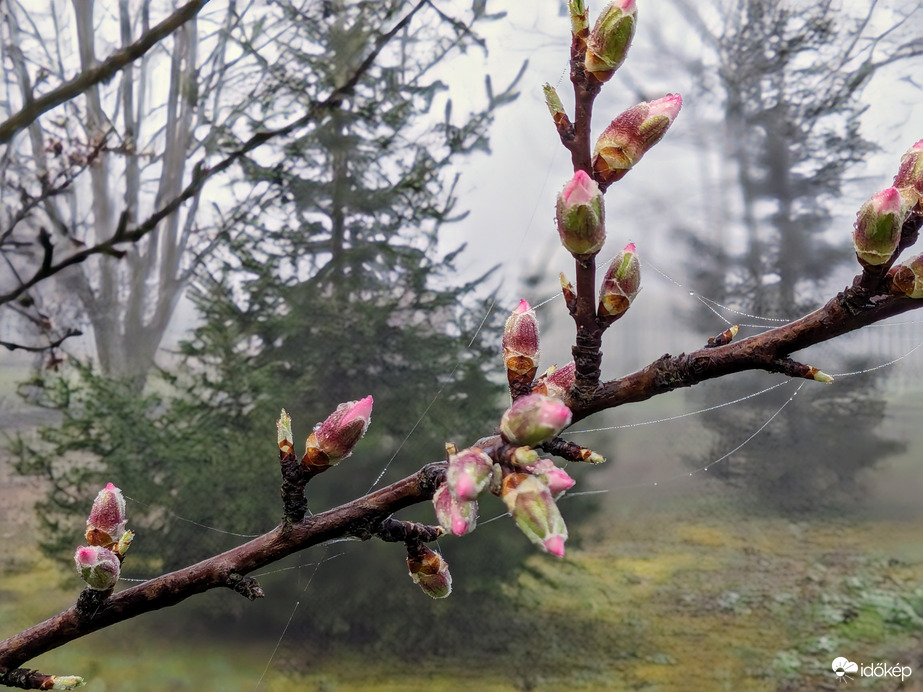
(610, 39)
(877, 231)
(580, 216)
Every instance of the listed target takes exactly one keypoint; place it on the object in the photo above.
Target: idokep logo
(842, 667)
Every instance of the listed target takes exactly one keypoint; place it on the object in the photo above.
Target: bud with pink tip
(334, 439)
(909, 178)
(557, 479)
(454, 515)
(520, 347)
(535, 512)
(620, 286)
(610, 39)
(580, 216)
(877, 231)
(429, 570)
(97, 566)
(631, 135)
(106, 523)
(907, 277)
(533, 419)
(469, 473)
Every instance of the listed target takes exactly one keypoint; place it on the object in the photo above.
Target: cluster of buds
(334, 439)
(527, 483)
(631, 135)
(520, 347)
(99, 562)
(620, 285)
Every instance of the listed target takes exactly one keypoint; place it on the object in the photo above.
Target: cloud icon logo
(842, 665)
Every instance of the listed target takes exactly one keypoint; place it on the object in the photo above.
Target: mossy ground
(691, 592)
(672, 600)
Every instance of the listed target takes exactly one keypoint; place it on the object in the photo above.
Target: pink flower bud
(907, 277)
(106, 522)
(557, 479)
(631, 135)
(533, 419)
(909, 176)
(469, 473)
(97, 566)
(535, 512)
(334, 439)
(877, 231)
(520, 344)
(429, 571)
(456, 516)
(620, 286)
(610, 39)
(581, 216)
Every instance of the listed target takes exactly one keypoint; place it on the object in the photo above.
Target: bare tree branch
(102, 73)
(201, 173)
(12, 346)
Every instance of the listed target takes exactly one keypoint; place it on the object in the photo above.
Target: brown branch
(586, 349)
(361, 518)
(101, 73)
(851, 309)
(12, 346)
(585, 93)
(201, 173)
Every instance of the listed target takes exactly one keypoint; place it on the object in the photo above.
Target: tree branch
(102, 73)
(201, 173)
(360, 518)
(849, 310)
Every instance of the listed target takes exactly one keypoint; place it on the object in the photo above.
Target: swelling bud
(97, 566)
(453, 514)
(334, 439)
(610, 39)
(535, 512)
(907, 277)
(877, 231)
(580, 216)
(469, 473)
(429, 571)
(909, 178)
(520, 346)
(631, 135)
(106, 523)
(620, 285)
(534, 419)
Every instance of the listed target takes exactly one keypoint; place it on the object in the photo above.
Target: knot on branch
(89, 602)
(294, 479)
(395, 531)
(248, 587)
